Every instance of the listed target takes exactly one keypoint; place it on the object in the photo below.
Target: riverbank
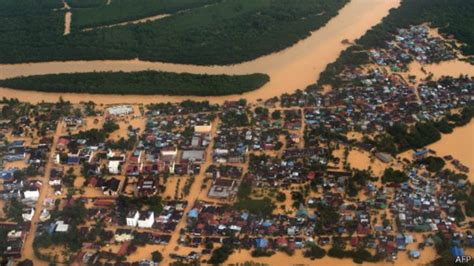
(290, 69)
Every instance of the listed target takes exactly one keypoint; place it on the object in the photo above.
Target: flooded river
(290, 69)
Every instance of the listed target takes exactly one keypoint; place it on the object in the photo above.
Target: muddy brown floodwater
(452, 68)
(290, 69)
(460, 145)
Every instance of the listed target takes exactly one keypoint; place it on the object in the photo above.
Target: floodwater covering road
(290, 69)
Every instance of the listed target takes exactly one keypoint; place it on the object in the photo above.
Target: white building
(122, 235)
(28, 214)
(61, 227)
(132, 218)
(170, 151)
(114, 167)
(203, 128)
(31, 195)
(120, 110)
(146, 220)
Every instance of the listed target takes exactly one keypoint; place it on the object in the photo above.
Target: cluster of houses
(413, 43)
(15, 239)
(290, 145)
(165, 221)
(225, 181)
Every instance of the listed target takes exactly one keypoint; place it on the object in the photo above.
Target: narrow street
(28, 252)
(194, 194)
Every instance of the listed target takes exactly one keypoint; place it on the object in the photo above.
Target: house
(223, 188)
(169, 151)
(420, 154)
(28, 214)
(146, 186)
(206, 129)
(45, 215)
(194, 156)
(31, 195)
(61, 227)
(8, 174)
(114, 167)
(132, 218)
(62, 143)
(414, 254)
(73, 122)
(110, 187)
(4, 124)
(384, 157)
(73, 158)
(122, 235)
(16, 151)
(120, 110)
(146, 220)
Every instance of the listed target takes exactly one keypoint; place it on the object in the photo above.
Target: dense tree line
(225, 33)
(418, 136)
(452, 17)
(85, 3)
(118, 11)
(27, 7)
(143, 82)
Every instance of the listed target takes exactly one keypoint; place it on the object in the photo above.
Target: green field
(143, 82)
(227, 32)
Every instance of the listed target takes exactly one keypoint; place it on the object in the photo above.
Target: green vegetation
(224, 33)
(358, 255)
(314, 252)
(280, 197)
(143, 82)
(262, 207)
(156, 256)
(221, 254)
(259, 252)
(14, 210)
(100, 14)
(22, 7)
(85, 3)
(403, 137)
(433, 164)
(394, 176)
(470, 203)
(72, 239)
(450, 16)
(328, 216)
(153, 203)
